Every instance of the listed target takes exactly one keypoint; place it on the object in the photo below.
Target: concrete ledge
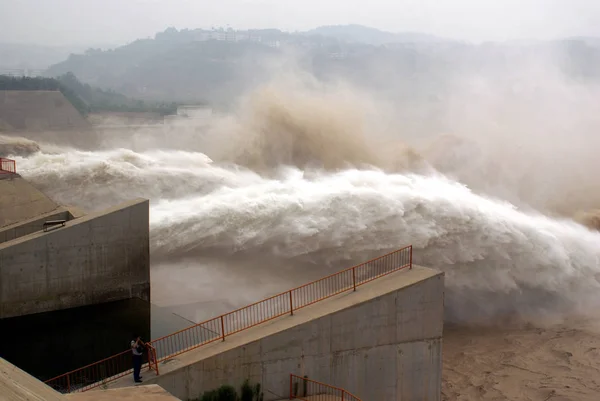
(83, 219)
(17, 385)
(100, 257)
(32, 225)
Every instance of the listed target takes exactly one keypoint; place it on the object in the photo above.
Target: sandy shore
(547, 364)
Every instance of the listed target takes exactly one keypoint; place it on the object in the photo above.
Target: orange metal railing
(102, 372)
(7, 166)
(302, 388)
(152, 359)
(219, 328)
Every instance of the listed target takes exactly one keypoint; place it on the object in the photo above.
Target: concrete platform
(21, 201)
(376, 288)
(17, 385)
(146, 393)
(34, 224)
(417, 343)
(100, 257)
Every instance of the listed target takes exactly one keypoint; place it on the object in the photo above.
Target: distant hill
(19, 56)
(588, 40)
(173, 70)
(372, 36)
(216, 66)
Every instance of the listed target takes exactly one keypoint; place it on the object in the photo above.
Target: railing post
(410, 262)
(354, 278)
(343, 391)
(148, 355)
(68, 384)
(155, 360)
(222, 327)
(291, 380)
(152, 358)
(291, 303)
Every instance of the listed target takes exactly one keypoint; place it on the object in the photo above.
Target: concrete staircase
(18, 385)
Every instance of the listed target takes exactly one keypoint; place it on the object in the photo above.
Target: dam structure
(370, 332)
(45, 116)
(54, 257)
(39, 111)
(64, 273)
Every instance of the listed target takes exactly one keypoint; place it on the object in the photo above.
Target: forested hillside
(216, 66)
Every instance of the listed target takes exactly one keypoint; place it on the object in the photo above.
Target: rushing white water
(498, 260)
(312, 175)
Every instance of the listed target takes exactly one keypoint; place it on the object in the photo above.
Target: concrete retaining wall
(387, 348)
(73, 337)
(100, 257)
(39, 111)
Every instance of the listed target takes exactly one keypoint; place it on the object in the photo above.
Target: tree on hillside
(84, 97)
(180, 65)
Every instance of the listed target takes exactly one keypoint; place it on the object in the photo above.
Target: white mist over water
(309, 177)
(498, 260)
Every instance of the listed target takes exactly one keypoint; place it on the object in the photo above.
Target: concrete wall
(73, 337)
(39, 111)
(32, 225)
(100, 257)
(45, 116)
(387, 348)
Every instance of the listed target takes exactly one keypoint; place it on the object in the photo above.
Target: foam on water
(498, 260)
(309, 172)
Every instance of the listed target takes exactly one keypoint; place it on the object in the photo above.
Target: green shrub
(228, 393)
(258, 395)
(247, 392)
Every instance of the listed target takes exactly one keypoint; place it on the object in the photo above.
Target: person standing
(137, 349)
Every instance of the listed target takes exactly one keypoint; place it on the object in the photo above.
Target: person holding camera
(137, 348)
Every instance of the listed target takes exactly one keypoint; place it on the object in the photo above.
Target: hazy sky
(70, 22)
